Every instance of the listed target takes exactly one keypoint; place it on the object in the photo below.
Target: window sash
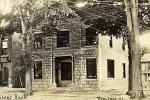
(63, 39)
(91, 68)
(4, 51)
(38, 70)
(91, 36)
(111, 42)
(124, 70)
(123, 44)
(91, 40)
(110, 69)
(38, 41)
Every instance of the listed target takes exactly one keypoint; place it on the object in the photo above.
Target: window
(123, 44)
(4, 51)
(110, 42)
(110, 68)
(5, 47)
(90, 36)
(66, 71)
(1, 66)
(38, 41)
(124, 70)
(91, 68)
(63, 39)
(38, 70)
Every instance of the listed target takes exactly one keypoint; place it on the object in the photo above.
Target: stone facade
(53, 57)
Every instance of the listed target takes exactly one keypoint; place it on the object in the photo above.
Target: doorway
(6, 75)
(63, 71)
(1, 78)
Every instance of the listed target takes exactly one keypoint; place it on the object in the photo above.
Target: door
(6, 75)
(1, 78)
(66, 71)
(64, 74)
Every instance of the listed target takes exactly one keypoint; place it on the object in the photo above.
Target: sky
(145, 39)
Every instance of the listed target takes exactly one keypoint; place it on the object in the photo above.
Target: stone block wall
(46, 81)
(80, 75)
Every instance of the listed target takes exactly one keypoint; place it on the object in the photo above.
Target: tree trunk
(135, 82)
(28, 87)
(0, 46)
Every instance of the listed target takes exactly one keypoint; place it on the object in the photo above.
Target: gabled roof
(145, 58)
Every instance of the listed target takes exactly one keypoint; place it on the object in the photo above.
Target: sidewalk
(11, 93)
(11, 90)
(78, 95)
(63, 94)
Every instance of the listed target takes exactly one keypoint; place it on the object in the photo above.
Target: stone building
(9, 76)
(77, 57)
(6, 56)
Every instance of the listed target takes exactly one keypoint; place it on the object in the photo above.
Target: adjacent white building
(145, 69)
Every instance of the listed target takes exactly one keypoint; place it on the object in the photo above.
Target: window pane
(90, 36)
(63, 39)
(124, 70)
(110, 42)
(4, 44)
(4, 51)
(4, 47)
(110, 68)
(123, 44)
(38, 70)
(91, 68)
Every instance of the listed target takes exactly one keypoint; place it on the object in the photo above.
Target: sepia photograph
(74, 49)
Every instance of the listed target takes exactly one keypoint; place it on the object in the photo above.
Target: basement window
(90, 36)
(63, 39)
(124, 70)
(91, 68)
(38, 41)
(110, 68)
(38, 70)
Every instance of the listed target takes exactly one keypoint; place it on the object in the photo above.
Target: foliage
(37, 15)
(109, 17)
